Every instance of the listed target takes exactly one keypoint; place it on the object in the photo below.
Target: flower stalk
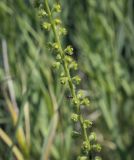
(67, 72)
(65, 60)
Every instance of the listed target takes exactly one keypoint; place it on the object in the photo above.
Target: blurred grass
(102, 35)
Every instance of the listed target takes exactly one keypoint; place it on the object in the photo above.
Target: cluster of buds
(65, 61)
(80, 99)
(89, 145)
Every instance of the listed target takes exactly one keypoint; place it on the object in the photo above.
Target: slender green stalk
(60, 49)
(66, 68)
(64, 59)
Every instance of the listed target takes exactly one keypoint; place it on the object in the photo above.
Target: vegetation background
(102, 33)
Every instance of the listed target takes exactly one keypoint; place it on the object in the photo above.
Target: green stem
(67, 72)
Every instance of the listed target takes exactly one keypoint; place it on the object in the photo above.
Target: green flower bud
(75, 134)
(56, 46)
(69, 50)
(74, 117)
(73, 65)
(56, 65)
(63, 80)
(46, 26)
(85, 147)
(87, 124)
(75, 101)
(62, 31)
(42, 13)
(85, 102)
(58, 57)
(96, 147)
(57, 21)
(82, 158)
(92, 136)
(98, 158)
(80, 94)
(68, 59)
(76, 79)
(57, 8)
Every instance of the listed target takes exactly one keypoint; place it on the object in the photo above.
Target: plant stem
(67, 72)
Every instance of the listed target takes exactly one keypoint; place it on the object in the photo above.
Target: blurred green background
(102, 34)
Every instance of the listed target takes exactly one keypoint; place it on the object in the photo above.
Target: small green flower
(85, 102)
(63, 80)
(68, 59)
(74, 117)
(46, 26)
(76, 79)
(75, 101)
(62, 31)
(92, 136)
(42, 13)
(57, 21)
(80, 94)
(58, 57)
(87, 124)
(56, 65)
(69, 50)
(96, 147)
(85, 147)
(57, 8)
(56, 46)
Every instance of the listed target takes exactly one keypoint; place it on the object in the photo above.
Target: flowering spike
(65, 59)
